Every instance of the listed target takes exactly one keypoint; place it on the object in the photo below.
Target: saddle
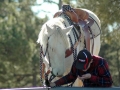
(81, 17)
(85, 22)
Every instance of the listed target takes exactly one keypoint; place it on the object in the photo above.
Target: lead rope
(41, 61)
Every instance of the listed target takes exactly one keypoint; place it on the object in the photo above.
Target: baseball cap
(83, 59)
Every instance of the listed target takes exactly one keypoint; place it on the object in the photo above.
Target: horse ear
(68, 29)
(48, 28)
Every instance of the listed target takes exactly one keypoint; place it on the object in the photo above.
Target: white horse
(56, 37)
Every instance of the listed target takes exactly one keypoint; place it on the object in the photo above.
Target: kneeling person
(92, 70)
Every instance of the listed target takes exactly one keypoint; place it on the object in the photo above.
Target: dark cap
(83, 59)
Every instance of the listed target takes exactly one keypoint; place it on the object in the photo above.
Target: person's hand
(52, 84)
(85, 76)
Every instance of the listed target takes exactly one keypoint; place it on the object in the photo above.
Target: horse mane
(57, 26)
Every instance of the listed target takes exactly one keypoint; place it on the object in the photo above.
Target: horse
(60, 42)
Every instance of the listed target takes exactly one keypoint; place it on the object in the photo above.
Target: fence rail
(63, 88)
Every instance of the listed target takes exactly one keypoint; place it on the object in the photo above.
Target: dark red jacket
(99, 70)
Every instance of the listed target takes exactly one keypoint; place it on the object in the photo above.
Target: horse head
(57, 45)
(54, 41)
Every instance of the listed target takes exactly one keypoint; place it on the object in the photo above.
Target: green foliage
(19, 55)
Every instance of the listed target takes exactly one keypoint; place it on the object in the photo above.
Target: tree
(19, 56)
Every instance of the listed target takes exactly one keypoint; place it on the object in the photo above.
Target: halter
(42, 54)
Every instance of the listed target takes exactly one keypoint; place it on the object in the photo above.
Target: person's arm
(70, 77)
(104, 78)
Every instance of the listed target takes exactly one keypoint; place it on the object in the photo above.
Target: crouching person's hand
(50, 84)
